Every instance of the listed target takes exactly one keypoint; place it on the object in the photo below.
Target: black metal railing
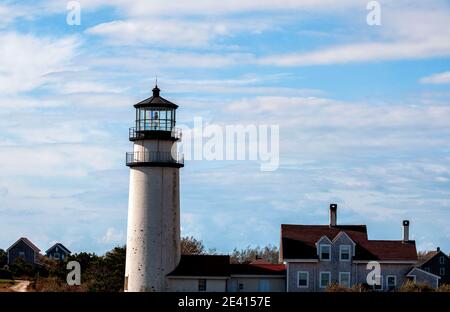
(136, 134)
(136, 158)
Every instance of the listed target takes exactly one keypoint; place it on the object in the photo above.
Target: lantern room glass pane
(156, 119)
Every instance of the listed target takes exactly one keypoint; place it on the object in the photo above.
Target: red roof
(202, 265)
(298, 242)
(258, 269)
(219, 266)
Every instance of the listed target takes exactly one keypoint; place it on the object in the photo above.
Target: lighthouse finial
(156, 89)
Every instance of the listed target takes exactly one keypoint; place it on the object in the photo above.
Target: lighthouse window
(202, 285)
(159, 119)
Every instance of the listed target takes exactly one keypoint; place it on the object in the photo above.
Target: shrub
(339, 288)
(443, 288)
(54, 284)
(411, 286)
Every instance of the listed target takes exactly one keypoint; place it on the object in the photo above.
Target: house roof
(386, 250)
(298, 242)
(26, 241)
(411, 273)
(202, 265)
(430, 255)
(219, 266)
(258, 269)
(59, 245)
(156, 101)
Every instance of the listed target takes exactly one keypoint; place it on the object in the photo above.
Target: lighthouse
(153, 234)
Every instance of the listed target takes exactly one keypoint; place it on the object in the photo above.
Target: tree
(3, 258)
(20, 268)
(192, 246)
(268, 253)
(421, 255)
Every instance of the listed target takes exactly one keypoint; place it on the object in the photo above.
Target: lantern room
(155, 117)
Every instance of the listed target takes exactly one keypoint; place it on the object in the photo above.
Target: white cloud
(439, 78)
(407, 32)
(26, 59)
(113, 236)
(206, 7)
(174, 32)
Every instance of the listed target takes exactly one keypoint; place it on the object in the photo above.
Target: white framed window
(324, 279)
(325, 252)
(380, 285)
(56, 255)
(391, 282)
(442, 271)
(441, 260)
(302, 279)
(344, 279)
(345, 252)
(201, 285)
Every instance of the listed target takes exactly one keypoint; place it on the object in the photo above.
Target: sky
(363, 114)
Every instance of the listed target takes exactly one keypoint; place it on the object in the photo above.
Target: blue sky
(363, 111)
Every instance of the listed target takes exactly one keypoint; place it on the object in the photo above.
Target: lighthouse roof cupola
(156, 101)
(155, 119)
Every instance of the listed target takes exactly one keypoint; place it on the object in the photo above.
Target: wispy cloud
(439, 78)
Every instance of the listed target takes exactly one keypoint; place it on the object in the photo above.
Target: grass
(5, 285)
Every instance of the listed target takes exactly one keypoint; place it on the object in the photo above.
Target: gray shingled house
(23, 248)
(58, 252)
(319, 255)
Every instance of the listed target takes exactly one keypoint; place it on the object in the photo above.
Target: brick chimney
(405, 230)
(333, 214)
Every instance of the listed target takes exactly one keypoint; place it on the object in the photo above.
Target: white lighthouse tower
(153, 236)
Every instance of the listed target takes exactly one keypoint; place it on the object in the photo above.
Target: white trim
(287, 277)
(307, 279)
(387, 261)
(256, 276)
(381, 284)
(320, 278)
(343, 233)
(387, 281)
(349, 278)
(349, 253)
(324, 237)
(320, 252)
(199, 277)
(301, 260)
(410, 274)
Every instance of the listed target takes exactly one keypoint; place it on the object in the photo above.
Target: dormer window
(325, 252)
(345, 252)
